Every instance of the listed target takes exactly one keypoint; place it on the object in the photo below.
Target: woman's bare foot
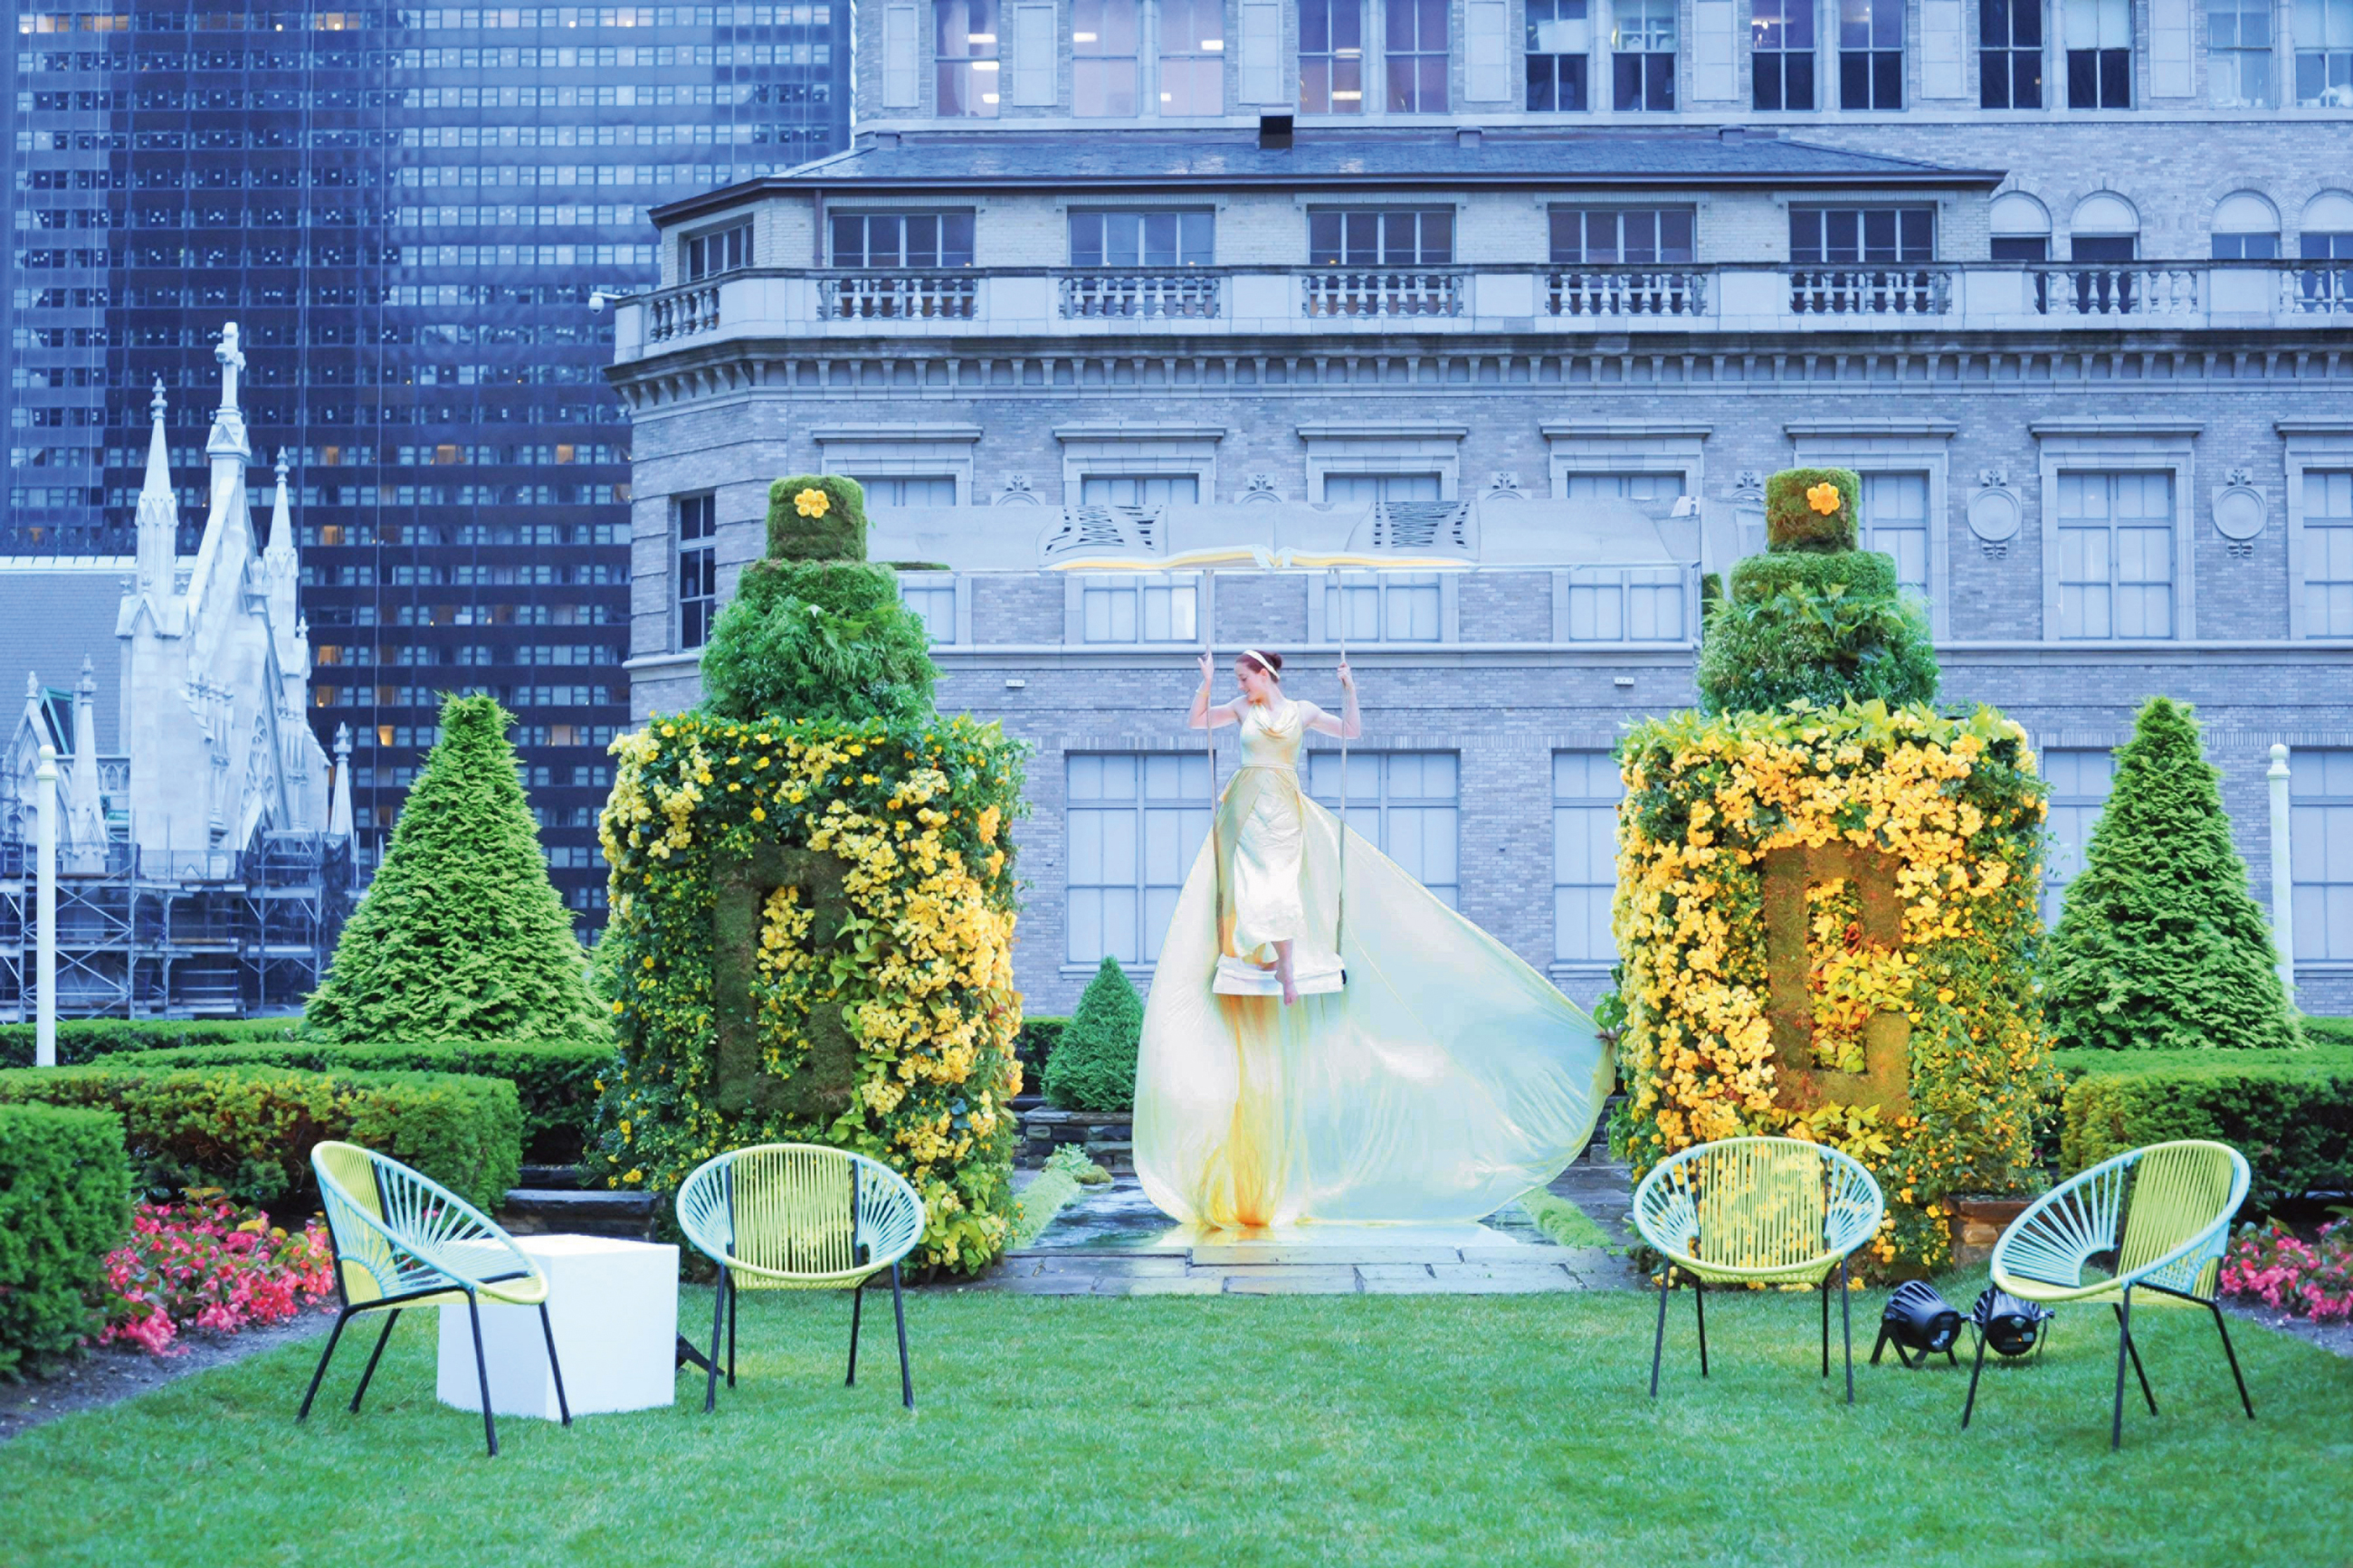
(1283, 972)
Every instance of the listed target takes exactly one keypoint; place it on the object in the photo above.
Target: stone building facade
(1550, 298)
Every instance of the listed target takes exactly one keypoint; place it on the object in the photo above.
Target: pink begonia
(2275, 1266)
(207, 1263)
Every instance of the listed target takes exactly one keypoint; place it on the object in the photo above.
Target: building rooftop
(1225, 159)
(54, 612)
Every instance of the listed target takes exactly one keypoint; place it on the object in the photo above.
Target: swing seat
(1311, 977)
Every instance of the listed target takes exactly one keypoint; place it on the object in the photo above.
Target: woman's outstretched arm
(1203, 716)
(1350, 724)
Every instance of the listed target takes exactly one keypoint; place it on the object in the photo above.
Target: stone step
(534, 1211)
(561, 1178)
(1116, 1155)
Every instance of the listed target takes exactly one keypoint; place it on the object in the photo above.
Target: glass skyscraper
(409, 213)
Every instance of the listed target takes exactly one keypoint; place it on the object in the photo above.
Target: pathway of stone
(1110, 1241)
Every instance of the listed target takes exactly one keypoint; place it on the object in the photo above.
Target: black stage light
(2012, 1326)
(1919, 1323)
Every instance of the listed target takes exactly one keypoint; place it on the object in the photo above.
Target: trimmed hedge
(64, 1203)
(1095, 1064)
(2290, 1112)
(2328, 1031)
(1035, 1044)
(250, 1129)
(87, 1039)
(557, 1080)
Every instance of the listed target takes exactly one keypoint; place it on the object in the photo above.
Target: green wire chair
(799, 1217)
(1749, 1211)
(403, 1240)
(2155, 1218)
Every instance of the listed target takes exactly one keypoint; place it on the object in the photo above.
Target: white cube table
(613, 1305)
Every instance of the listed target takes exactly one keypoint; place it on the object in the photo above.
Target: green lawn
(1448, 1430)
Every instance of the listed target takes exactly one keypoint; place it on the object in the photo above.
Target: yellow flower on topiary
(1823, 498)
(815, 503)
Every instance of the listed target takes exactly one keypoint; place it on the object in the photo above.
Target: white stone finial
(32, 683)
(232, 359)
(281, 465)
(159, 402)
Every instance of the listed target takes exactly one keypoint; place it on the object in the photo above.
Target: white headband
(1265, 664)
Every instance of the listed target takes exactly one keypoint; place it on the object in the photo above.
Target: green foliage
(2159, 946)
(1563, 1222)
(822, 641)
(556, 1081)
(2328, 1031)
(461, 936)
(1791, 520)
(1816, 628)
(1094, 1064)
(250, 1129)
(2290, 1112)
(1073, 1160)
(1034, 1045)
(836, 533)
(1044, 1198)
(64, 1203)
(87, 1039)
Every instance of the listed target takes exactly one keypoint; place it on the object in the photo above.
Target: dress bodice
(1271, 738)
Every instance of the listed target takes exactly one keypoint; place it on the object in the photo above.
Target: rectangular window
(931, 596)
(1192, 56)
(2320, 854)
(895, 490)
(1331, 57)
(1407, 803)
(1377, 238)
(1871, 54)
(1626, 604)
(719, 250)
(1139, 490)
(1622, 236)
(2098, 35)
(2080, 781)
(2246, 247)
(2239, 53)
(1363, 489)
(1781, 54)
(1142, 239)
(1895, 517)
(1416, 56)
(2115, 555)
(1103, 59)
(903, 239)
(2324, 54)
(698, 570)
(2021, 248)
(1149, 607)
(2010, 53)
(1135, 823)
(1586, 789)
(965, 58)
(1631, 486)
(1383, 606)
(1559, 46)
(2327, 553)
(1643, 54)
(1836, 235)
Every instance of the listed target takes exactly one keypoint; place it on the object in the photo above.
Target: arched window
(2246, 228)
(2105, 228)
(2021, 228)
(2327, 227)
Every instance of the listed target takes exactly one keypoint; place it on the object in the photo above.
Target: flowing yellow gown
(1445, 1078)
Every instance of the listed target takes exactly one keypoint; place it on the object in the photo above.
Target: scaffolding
(209, 933)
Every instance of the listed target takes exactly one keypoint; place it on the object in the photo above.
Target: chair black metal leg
(2216, 1307)
(482, 1375)
(1699, 1306)
(2133, 1346)
(1976, 1367)
(1846, 1330)
(1825, 1294)
(373, 1356)
(1659, 1342)
(718, 1316)
(732, 1304)
(2124, 1347)
(333, 1335)
(555, 1368)
(899, 1310)
(857, 1306)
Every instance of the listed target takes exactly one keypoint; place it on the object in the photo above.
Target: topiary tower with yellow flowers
(1826, 901)
(813, 897)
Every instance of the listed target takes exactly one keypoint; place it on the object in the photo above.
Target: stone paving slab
(1287, 1280)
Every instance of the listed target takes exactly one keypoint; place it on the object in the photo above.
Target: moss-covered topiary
(816, 517)
(1094, 1064)
(1812, 510)
(461, 936)
(1818, 629)
(2159, 945)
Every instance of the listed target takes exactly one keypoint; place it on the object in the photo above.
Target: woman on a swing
(1326, 1039)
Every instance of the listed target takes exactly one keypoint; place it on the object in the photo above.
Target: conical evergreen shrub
(2159, 945)
(1093, 1065)
(461, 936)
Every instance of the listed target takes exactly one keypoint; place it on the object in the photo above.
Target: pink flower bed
(2309, 1279)
(207, 1263)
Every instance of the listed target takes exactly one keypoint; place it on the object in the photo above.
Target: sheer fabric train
(1446, 1078)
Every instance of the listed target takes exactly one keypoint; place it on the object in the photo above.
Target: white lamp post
(45, 974)
(2282, 874)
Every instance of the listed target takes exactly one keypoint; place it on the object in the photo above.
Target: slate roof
(1160, 162)
(52, 613)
